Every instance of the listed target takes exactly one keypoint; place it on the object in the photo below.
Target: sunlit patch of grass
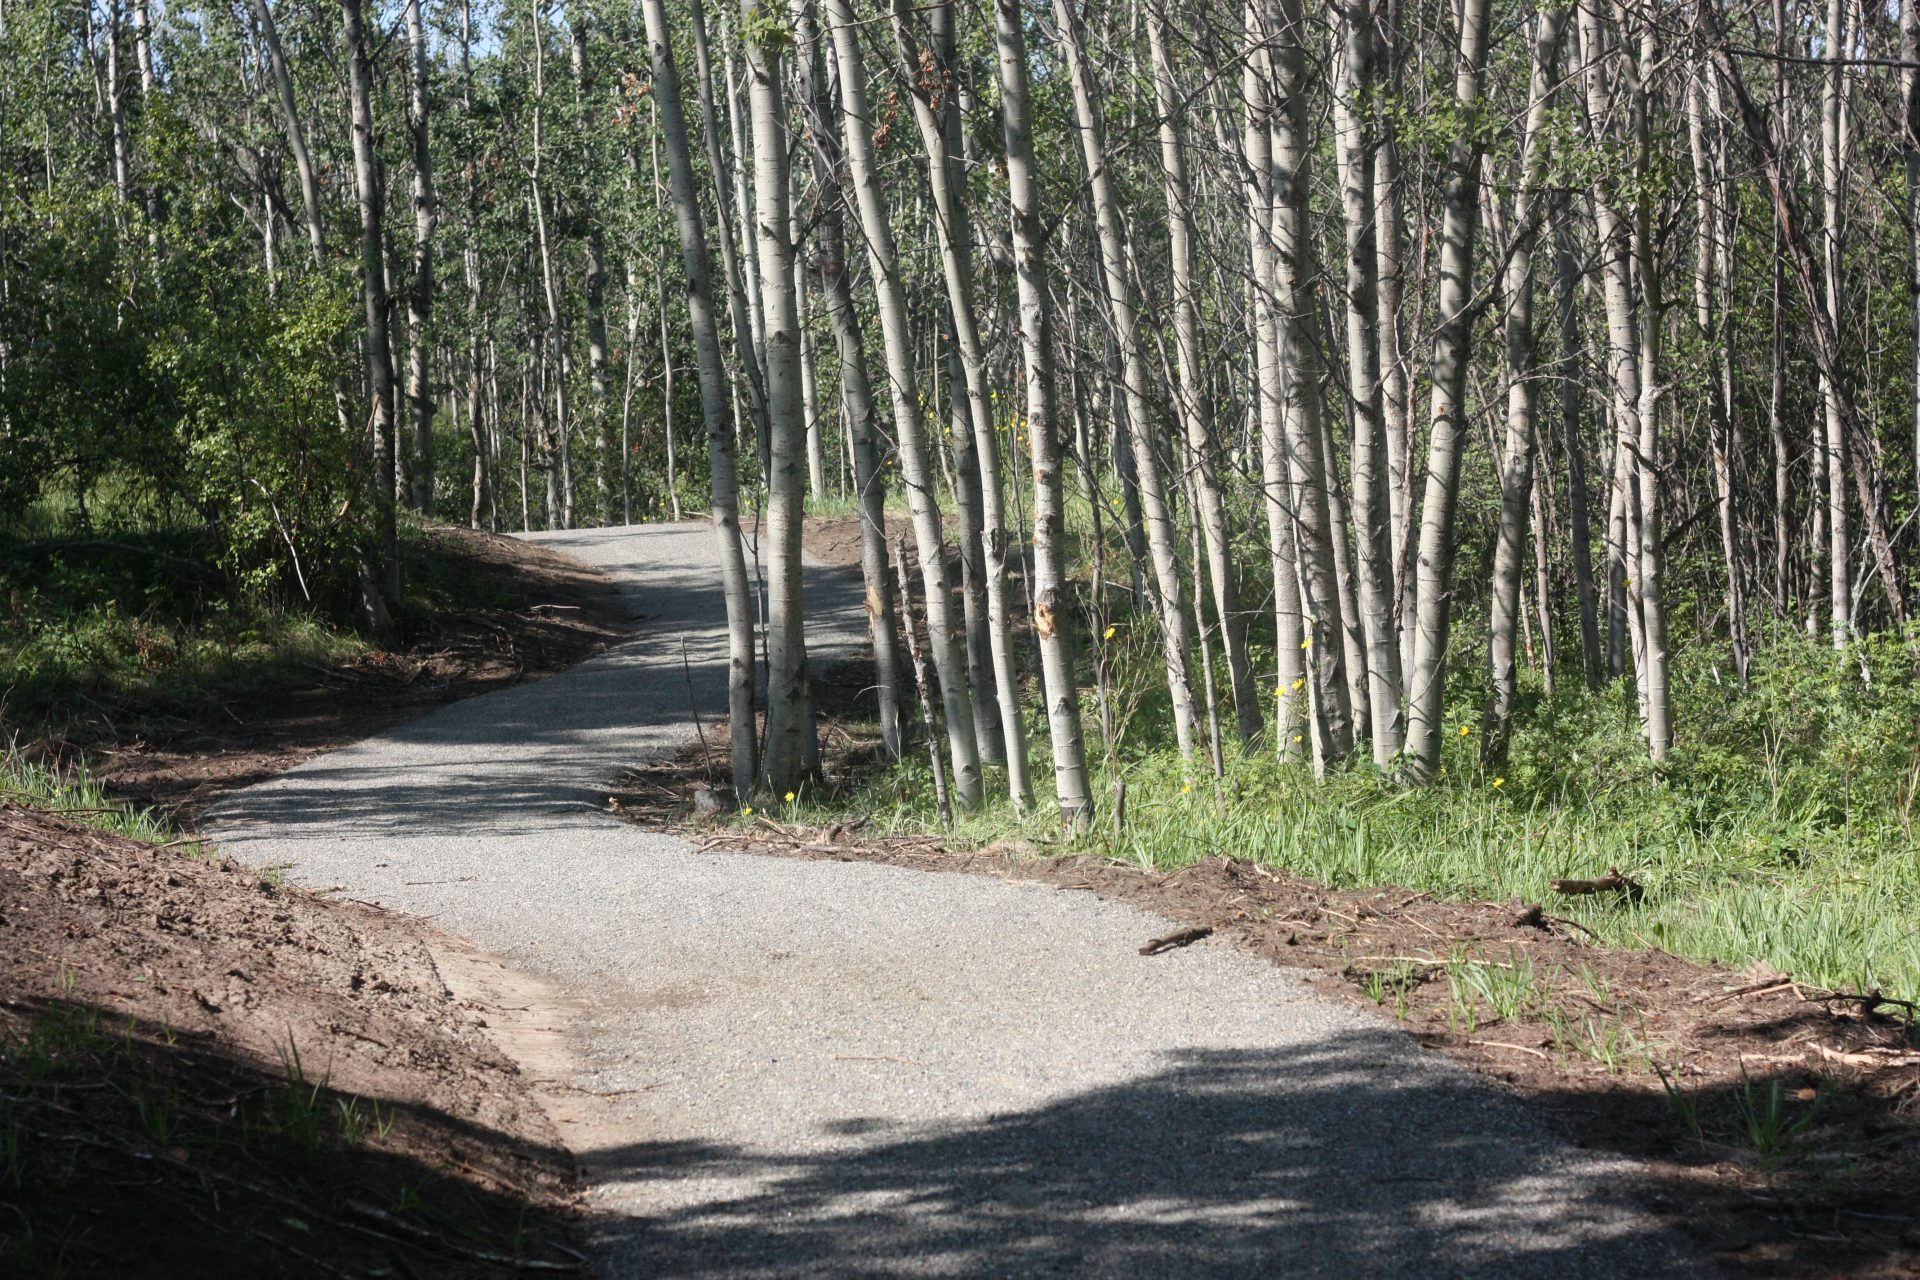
(1740, 883)
(74, 793)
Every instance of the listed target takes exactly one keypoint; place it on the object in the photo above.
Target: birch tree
(1052, 606)
(916, 472)
(721, 451)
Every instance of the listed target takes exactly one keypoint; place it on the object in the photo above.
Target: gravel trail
(844, 1069)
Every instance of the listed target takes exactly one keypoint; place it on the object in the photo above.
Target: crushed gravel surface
(846, 1069)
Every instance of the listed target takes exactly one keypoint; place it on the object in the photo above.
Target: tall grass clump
(75, 793)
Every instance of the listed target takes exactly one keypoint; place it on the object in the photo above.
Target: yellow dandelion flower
(1298, 738)
(1499, 782)
(1109, 633)
(1465, 730)
(1300, 683)
(747, 812)
(1186, 789)
(1307, 643)
(789, 797)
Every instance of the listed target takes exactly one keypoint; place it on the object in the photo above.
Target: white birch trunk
(944, 639)
(1052, 609)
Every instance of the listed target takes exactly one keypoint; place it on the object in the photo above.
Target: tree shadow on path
(1326, 1158)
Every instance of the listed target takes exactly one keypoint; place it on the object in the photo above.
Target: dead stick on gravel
(1517, 1048)
(1183, 938)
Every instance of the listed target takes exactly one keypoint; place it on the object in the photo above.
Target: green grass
(75, 793)
(145, 614)
(1781, 830)
(142, 616)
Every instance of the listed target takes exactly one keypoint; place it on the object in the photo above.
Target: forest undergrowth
(1781, 830)
(140, 610)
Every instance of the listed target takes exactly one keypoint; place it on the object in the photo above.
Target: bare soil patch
(205, 1074)
(527, 612)
(1777, 1124)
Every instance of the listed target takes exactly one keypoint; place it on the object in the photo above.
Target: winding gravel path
(842, 1069)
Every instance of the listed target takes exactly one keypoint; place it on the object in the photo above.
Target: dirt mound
(205, 1073)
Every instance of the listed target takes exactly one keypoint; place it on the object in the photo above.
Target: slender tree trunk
(1572, 440)
(1156, 508)
(916, 460)
(1834, 130)
(935, 97)
(117, 109)
(1396, 384)
(379, 345)
(1426, 684)
(1052, 607)
(788, 700)
(666, 412)
(856, 387)
(295, 130)
(560, 517)
(599, 386)
(1357, 145)
(738, 314)
(426, 217)
(143, 47)
(1910, 144)
(744, 199)
(1517, 465)
(721, 450)
(1712, 255)
(1649, 580)
(1269, 378)
(1211, 517)
(1300, 325)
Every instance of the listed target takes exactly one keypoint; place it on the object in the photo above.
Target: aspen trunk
(1649, 580)
(1357, 149)
(1517, 464)
(788, 701)
(1210, 504)
(1290, 681)
(746, 350)
(426, 217)
(117, 109)
(1572, 441)
(953, 227)
(944, 639)
(373, 289)
(1426, 682)
(1298, 312)
(721, 449)
(1052, 609)
(1169, 595)
(856, 388)
(1910, 145)
(1713, 255)
(295, 130)
(1834, 131)
(561, 515)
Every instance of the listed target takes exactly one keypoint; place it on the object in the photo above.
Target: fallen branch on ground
(1183, 938)
(1612, 882)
